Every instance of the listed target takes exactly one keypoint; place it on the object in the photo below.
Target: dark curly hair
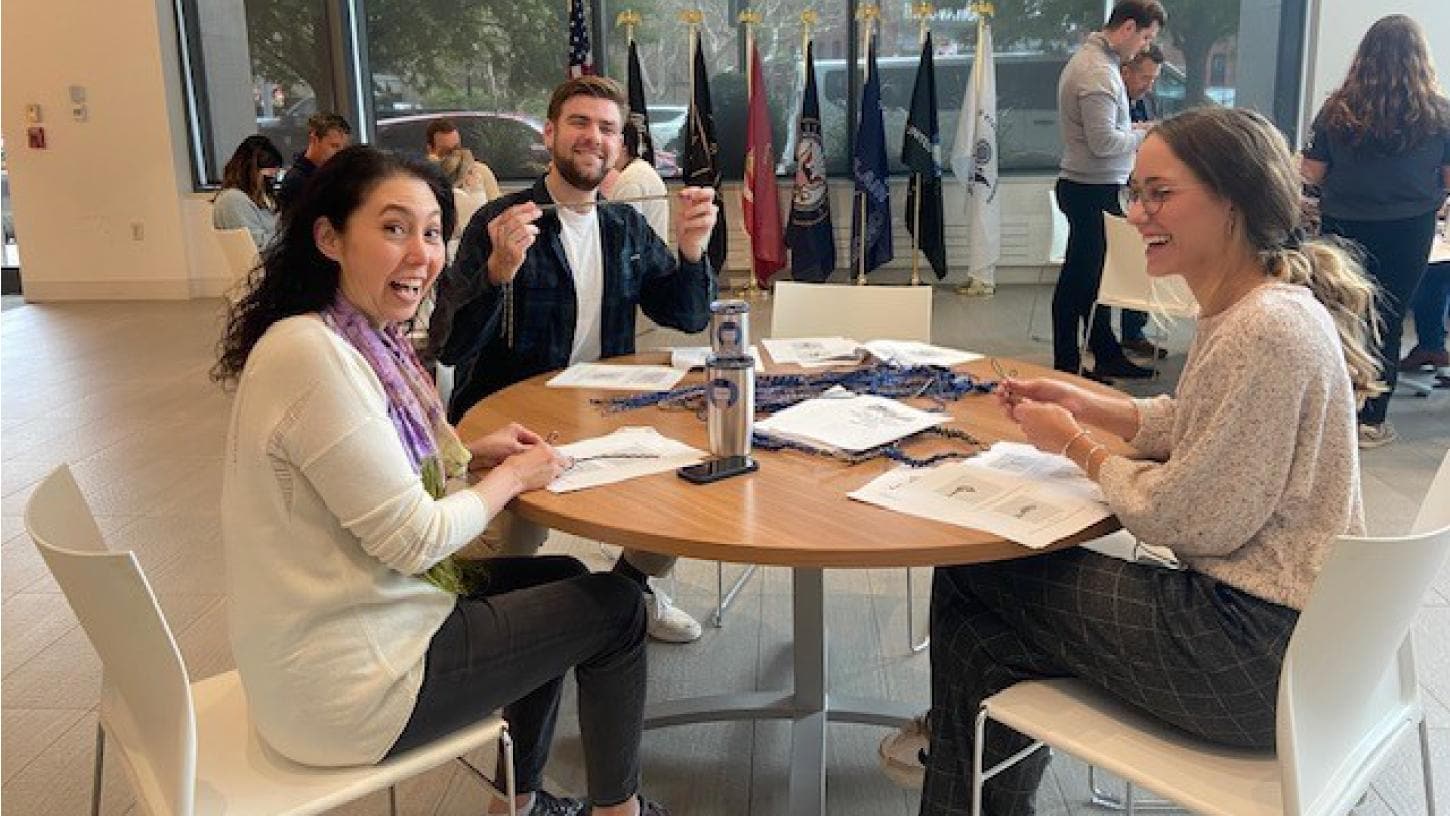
(295, 277)
(1391, 100)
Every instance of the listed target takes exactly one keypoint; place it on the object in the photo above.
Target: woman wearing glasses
(1247, 472)
(1381, 155)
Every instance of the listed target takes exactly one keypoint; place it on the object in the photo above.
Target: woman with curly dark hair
(357, 635)
(1380, 152)
(245, 200)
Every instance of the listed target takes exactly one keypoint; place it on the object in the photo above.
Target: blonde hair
(1241, 157)
(455, 166)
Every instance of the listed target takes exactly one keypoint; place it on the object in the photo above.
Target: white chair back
(146, 703)
(240, 251)
(1057, 236)
(1349, 681)
(858, 312)
(1125, 280)
(467, 204)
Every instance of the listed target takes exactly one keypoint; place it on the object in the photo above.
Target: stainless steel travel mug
(730, 328)
(729, 404)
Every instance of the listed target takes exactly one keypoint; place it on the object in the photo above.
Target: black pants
(1082, 271)
(1395, 255)
(510, 645)
(1175, 643)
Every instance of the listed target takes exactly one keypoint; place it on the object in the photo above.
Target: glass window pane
(266, 63)
(489, 66)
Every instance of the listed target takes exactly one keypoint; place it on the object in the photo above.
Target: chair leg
(1426, 765)
(100, 764)
(1128, 803)
(1083, 345)
(977, 780)
(916, 646)
(724, 598)
(393, 800)
(510, 785)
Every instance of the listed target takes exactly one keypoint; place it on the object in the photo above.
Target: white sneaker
(1376, 436)
(976, 287)
(668, 622)
(901, 753)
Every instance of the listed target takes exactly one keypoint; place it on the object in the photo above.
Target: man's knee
(652, 564)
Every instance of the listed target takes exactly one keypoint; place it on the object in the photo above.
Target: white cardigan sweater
(326, 528)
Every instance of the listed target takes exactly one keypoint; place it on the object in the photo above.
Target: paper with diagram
(624, 454)
(1013, 491)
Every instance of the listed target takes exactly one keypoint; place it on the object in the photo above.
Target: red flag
(759, 199)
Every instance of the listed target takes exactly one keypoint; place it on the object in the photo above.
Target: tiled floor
(119, 391)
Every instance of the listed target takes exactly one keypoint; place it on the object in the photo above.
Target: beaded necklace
(775, 392)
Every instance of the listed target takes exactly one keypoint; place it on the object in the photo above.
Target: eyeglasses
(1151, 198)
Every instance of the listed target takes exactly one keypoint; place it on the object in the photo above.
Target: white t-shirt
(580, 236)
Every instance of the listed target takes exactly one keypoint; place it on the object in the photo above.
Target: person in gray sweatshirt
(1099, 143)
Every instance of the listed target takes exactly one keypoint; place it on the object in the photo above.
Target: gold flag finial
(809, 18)
(629, 18)
(750, 17)
(868, 12)
(982, 8)
(922, 10)
(692, 17)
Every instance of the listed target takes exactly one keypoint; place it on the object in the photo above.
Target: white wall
(99, 212)
(1338, 25)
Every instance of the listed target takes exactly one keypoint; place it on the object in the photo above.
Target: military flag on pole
(809, 235)
(921, 152)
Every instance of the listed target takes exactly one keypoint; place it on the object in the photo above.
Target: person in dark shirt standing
(327, 133)
(1380, 152)
(1139, 74)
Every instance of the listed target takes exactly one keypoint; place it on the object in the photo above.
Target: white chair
(190, 748)
(241, 254)
(1347, 695)
(1126, 284)
(861, 313)
(1057, 236)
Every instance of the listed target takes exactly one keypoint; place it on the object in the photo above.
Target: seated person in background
(633, 177)
(443, 138)
(1248, 473)
(245, 200)
(327, 133)
(468, 174)
(534, 290)
(356, 634)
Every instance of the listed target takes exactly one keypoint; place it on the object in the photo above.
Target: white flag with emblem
(974, 161)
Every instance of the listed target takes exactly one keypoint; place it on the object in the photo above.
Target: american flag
(580, 61)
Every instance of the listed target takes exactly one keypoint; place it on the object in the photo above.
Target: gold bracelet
(1088, 460)
(1079, 435)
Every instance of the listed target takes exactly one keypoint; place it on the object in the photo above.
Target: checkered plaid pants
(1176, 643)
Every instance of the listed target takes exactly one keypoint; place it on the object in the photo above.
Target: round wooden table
(792, 512)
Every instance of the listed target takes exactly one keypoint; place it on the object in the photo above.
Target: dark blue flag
(702, 155)
(872, 173)
(921, 151)
(636, 128)
(808, 233)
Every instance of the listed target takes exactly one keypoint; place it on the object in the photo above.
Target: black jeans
(1177, 644)
(510, 645)
(1082, 272)
(1395, 256)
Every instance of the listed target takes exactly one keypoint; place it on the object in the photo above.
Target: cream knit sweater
(1251, 469)
(326, 527)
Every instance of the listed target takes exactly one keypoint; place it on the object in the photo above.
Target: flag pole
(922, 12)
(750, 19)
(867, 14)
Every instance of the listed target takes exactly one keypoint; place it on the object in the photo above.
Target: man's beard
(577, 178)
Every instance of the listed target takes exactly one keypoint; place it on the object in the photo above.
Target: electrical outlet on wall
(138, 231)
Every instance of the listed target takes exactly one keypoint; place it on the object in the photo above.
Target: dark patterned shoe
(649, 808)
(547, 804)
(1141, 347)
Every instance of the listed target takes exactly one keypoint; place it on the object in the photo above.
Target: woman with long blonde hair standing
(1380, 152)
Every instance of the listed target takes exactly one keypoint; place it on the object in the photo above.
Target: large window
(266, 65)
